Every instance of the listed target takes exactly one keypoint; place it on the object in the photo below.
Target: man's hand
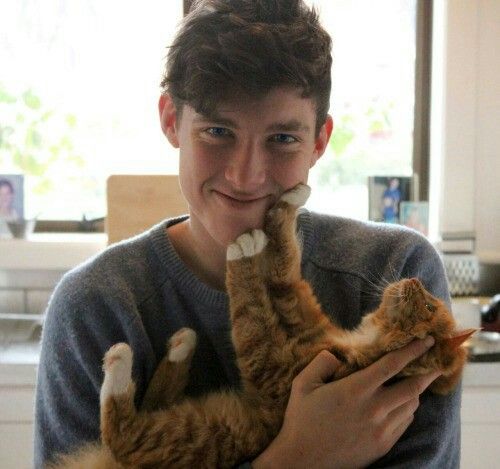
(350, 422)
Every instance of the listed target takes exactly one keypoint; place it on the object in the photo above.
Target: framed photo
(415, 215)
(11, 200)
(386, 194)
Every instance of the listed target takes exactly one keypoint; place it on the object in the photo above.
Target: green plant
(36, 141)
(359, 145)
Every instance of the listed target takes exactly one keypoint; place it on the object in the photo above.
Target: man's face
(6, 196)
(235, 164)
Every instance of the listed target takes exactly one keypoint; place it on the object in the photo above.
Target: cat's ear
(321, 141)
(459, 338)
(168, 119)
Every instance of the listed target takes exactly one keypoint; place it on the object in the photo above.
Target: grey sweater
(140, 292)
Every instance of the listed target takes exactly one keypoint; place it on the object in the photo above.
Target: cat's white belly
(365, 335)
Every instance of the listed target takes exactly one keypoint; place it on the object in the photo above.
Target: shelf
(50, 251)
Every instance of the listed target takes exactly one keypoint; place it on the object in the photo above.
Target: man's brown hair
(225, 47)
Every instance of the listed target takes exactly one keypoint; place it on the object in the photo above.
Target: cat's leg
(256, 331)
(117, 372)
(244, 281)
(217, 431)
(267, 357)
(283, 251)
(172, 374)
(292, 297)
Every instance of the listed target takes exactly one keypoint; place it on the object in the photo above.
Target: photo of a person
(385, 196)
(7, 195)
(390, 201)
(11, 197)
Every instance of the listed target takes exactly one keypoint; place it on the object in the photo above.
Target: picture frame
(415, 215)
(386, 194)
(11, 200)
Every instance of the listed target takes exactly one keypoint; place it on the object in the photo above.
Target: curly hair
(226, 47)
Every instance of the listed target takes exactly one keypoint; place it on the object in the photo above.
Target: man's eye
(283, 138)
(218, 131)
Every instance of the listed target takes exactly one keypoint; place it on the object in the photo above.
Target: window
(372, 102)
(78, 99)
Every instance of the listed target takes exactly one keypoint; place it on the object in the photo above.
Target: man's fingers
(401, 428)
(402, 414)
(317, 372)
(406, 390)
(393, 362)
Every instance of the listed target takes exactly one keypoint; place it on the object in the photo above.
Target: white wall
(465, 148)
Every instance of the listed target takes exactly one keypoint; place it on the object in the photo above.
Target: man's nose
(246, 169)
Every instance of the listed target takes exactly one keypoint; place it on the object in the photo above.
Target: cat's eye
(430, 307)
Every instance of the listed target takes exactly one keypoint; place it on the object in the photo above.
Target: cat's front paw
(117, 368)
(296, 196)
(247, 245)
(181, 345)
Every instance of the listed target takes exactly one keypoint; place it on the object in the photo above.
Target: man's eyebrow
(293, 125)
(215, 119)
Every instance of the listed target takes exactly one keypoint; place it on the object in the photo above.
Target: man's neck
(204, 257)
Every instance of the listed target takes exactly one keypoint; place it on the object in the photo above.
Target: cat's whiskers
(376, 287)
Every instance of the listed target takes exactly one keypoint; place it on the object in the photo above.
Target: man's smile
(241, 201)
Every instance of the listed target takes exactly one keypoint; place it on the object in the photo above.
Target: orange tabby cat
(278, 327)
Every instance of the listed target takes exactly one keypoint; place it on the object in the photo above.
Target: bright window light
(80, 84)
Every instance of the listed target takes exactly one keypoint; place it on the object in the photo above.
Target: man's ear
(168, 119)
(322, 139)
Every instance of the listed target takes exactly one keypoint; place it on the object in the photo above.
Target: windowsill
(50, 251)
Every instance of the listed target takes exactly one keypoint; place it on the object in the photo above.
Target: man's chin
(235, 228)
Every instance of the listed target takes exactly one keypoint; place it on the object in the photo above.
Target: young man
(245, 99)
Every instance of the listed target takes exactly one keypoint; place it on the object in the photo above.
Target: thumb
(320, 370)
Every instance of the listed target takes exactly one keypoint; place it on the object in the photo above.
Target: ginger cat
(278, 327)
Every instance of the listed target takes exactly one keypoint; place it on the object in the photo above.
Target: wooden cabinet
(17, 392)
(481, 416)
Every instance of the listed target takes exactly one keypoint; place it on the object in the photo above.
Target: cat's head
(409, 307)
(408, 303)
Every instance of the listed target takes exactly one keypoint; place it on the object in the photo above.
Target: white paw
(297, 196)
(247, 245)
(117, 371)
(182, 344)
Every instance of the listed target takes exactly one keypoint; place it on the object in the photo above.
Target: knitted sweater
(140, 292)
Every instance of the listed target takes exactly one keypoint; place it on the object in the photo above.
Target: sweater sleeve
(433, 438)
(79, 327)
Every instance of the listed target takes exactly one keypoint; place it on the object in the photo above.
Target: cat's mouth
(410, 291)
(411, 287)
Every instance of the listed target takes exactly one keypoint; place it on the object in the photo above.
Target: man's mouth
(241, 201)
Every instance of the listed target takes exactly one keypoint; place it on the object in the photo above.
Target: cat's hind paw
(181, 344)
(247, 245)
(117, 371)
(296, 196)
